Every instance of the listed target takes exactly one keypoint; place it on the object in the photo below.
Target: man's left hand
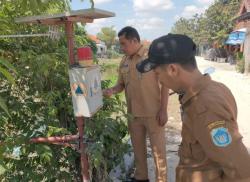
(162, 117)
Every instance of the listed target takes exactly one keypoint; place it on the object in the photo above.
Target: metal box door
(86, 90)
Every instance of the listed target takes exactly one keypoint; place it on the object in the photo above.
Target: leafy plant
(4, 65)
(108, 135)
(107, 35)
(240, 62)
(213, 25)
(40, 105)
(112, 54)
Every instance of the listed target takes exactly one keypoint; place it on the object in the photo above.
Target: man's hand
(108, 92)
(162, 117)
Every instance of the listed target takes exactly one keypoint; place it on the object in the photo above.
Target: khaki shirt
(142, 91)
(211, 148)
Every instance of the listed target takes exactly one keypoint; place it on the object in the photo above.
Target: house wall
(246, 47)
(245, 7)
(247, 51)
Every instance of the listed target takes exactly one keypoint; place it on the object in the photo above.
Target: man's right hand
(108, 92)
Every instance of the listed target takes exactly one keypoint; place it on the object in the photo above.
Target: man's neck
(193, 79)
(137, 48)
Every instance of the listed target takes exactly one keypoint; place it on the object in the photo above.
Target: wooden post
(82, 148)
(69, 28)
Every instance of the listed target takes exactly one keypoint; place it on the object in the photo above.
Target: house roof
(146, 43)
(244, 13)
(245, 16)
(94, 39)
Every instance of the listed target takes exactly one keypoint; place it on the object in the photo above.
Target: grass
(110, 69)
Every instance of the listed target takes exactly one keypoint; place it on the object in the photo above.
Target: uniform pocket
(125, 73)
(197, 151)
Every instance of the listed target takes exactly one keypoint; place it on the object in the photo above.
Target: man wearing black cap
(211, 149)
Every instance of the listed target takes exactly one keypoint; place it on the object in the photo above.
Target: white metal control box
(85, 83)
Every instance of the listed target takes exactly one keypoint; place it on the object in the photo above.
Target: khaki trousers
(138, 128)
(188, 175)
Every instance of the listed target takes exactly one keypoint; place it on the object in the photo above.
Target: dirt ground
(240, 87)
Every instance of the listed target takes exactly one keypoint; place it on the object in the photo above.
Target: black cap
(171, 48)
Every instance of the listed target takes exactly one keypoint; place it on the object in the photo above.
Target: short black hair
(190, 64)
(129, 33)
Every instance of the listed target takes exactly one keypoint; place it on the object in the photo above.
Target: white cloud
(146, 23)
(101, 1)
(206, 2)
(190, 11)
(152, 5)
(149, 28)
(95, 27)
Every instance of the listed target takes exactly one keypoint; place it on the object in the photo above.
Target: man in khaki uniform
(147, 104)
(211, 149)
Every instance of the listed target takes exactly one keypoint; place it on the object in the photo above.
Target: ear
(173, 70)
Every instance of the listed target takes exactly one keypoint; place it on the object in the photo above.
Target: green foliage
(107, 35)
(112, 54)
(214, 25)
(4, 65)
(110, 71)
(240, 62)
(40, 105)
(3, 106)
(107, 132)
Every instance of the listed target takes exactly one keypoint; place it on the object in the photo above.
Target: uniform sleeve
(222, 143)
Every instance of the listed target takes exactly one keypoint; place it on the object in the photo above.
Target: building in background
(146, 43)
(243, 23)
(100, 45)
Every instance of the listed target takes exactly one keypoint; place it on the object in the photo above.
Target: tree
(214, 25)
(40, 105)
(219, 19)
(107, 35)
(183, 26)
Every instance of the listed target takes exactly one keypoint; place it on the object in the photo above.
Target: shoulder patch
(221, 137)
(215, 124)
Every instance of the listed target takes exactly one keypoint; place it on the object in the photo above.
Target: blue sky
(152, 18)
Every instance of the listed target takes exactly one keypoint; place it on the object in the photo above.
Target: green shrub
(40, 105)
(108, 134)
(111, 54)
(240, 62)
